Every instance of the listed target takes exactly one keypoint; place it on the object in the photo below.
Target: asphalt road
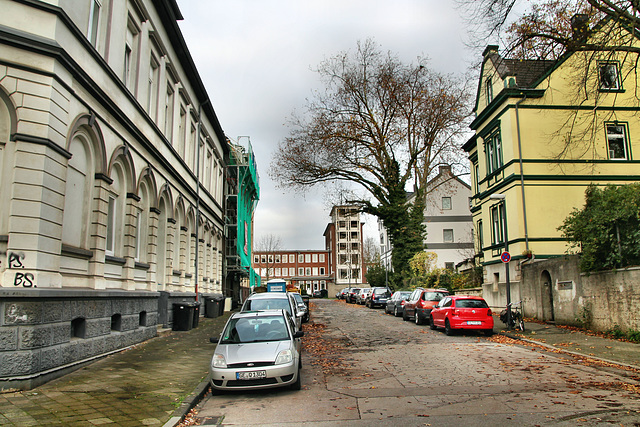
(362, 367)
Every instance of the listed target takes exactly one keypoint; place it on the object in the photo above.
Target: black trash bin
(196, 313)
(182, 316)
(211, 308)
(220, 299)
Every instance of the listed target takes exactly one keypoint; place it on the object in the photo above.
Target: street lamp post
(498, 196)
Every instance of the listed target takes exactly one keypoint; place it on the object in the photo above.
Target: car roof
(258, 313)
(465, 297)
(433, 290)
(269, 295)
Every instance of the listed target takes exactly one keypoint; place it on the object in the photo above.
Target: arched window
(161, 269)
(5, 132)
(77, 197)
(116, 211)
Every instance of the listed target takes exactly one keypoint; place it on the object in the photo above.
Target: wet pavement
(157, 382)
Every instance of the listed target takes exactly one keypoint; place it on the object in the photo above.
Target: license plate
(251, 375)
(474, 322)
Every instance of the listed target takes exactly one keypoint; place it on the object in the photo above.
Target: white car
(257, 349)
(275, 300)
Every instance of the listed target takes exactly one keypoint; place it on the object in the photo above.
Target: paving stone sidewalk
(150, 384)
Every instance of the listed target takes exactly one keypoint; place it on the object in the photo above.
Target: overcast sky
(256, 58)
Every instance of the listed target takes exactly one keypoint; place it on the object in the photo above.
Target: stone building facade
(111, 181)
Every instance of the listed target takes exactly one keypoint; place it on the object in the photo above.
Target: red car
(462, 312)
(420, 302)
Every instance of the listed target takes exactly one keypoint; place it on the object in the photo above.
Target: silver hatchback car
(257, 349)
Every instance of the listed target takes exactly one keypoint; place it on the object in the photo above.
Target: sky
(256, 59)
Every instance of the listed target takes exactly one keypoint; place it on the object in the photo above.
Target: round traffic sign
(505, 257)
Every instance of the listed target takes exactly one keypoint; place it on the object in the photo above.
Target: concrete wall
(556, 290)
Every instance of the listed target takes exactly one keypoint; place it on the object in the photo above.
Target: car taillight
(489, 312)
(454, 312)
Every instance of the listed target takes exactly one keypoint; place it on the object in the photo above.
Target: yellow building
(544, 131)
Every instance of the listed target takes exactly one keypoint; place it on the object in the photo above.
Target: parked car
(342, 294)
(350, 297)
(462, 312)
(321, 293)
(377, 297)
(274, 300)
(362, 295)
(420, 303)
(257, 349)
(395, 304)
(304, 308)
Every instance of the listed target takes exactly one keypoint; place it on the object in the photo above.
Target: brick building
(308, 270)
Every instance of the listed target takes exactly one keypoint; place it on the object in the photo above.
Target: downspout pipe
(524, 204)
(197, 266)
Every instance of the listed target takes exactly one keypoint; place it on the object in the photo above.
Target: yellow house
(544, 131)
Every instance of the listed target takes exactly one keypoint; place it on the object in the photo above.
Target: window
(314, 271)
(446, 203)
(322, 271)
(168, 110)
(314, 258)
(609, 76)
(278, 272)
(284, 258)
(94, 20)
(300, 271)
(617, 141)
(493, 150)
(138, 235)
(111, 226)
(321, 257)
(300, 258)
(489, 89)
(307, 258)
(278, 259)
(152, 90)
(270, 259)
(131, 54)
(292, 271)
(476, 176)
(307, 271)
(496, 224)
(480, 235)
(256, 259)
(292, 258)
(447, 235)
(263, 258)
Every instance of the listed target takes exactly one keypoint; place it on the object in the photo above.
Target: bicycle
(517, 321)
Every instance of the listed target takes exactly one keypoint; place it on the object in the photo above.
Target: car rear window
(268, 304)
(379, 291)
(433, 296)
(471, 303)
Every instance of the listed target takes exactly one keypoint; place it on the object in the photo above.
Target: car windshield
(255, 329)
(433, 296)
(267, 304)
(471, 303)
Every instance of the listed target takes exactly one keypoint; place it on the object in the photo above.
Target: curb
(573, 353)
(188, 404)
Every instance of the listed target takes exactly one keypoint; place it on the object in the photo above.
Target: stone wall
(556, 290)
(45, 333)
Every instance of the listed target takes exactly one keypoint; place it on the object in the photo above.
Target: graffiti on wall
(16, 260)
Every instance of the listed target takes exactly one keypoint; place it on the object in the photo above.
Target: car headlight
(218, 361)
(285, 356)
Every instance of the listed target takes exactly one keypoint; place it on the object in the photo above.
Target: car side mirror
(298, 334)
(213, 340)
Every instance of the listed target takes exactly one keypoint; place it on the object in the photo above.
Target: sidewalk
(157, 382)
(577, 343)
(150, 384)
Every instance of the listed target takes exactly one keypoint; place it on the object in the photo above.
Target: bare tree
(382, 125)
(268, 244)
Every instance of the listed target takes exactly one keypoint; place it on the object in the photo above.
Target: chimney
(580, 27)
(492, 48)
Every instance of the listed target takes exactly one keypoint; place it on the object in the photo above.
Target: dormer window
(489, 89)
(609, 76)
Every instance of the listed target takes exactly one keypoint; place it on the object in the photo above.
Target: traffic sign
(505, 257)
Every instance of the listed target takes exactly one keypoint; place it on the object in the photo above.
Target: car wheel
(417, 318)
(396, 312)
(431, 324)
(447, 328)
(488, 332)
(298, 384)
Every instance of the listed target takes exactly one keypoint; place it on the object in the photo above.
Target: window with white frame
(94, 22)
(292, 258)
(169, 100)
(447, 235)
(314, 258)
(111, 226)
(300, 258)
(278, 272)
(321, 257)
(609, 76)
(307, 271)
(493, 148)
(307, 258)
(446, 203)
(131, 50)
(497, 225)
(292, 271)
(617, 141)
(300, 271)
(314, 271)
(322, 271)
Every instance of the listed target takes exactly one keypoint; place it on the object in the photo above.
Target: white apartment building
(111, 180)
(447, 219)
